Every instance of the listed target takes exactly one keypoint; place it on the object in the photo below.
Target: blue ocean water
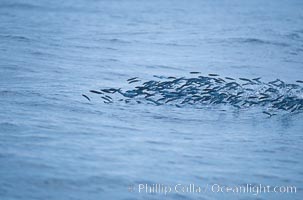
(54, 144)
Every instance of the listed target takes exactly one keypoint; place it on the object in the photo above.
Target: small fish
(228, 78)
(217, 87)
(248, 83)
(257, 79)
(173, 99)
(96, 92)
(107, 99)
(299, 81)
(273, 82)
(245, 79)
(208, 89)
(140, 87)
(294, 109)
(161, 99)
(292, 106)
(218, 80)
(278, 98)
(106, 90)
(264, 94)
(195, 72)
(213, 75)
(269, 114)
(237, 106)
(263, 97)
(148, 95)
(133, 81)
(271, 90)
(249, 89)
(252, 102)
(113, 90)
(86, 97)
(130, 79)
(155, 102)
(222, 80)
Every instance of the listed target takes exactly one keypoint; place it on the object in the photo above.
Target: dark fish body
(257, 79)
(228, 78)
(267, 113)
(169, 100)
(213, 75)
(237, 106)
(86, 97)
(220, 79)
(130, 79)
(107, 99)
(133, 81)
(107, 90)
(249, 89)
(277, 99)
(153, 101)
(245, 79)
(263, 97)
(271, 90)
(96, 92)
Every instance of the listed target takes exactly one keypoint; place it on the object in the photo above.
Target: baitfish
(267, 113)
(112, 90)
(257, 79)
(206, 90)
(96, 92)
(213, 75)
(228, 78)
(245, 79)
(133, 81)
(86, 97)
(107, 99)
(130, 79)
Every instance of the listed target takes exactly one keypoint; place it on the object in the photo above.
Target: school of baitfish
(208, 90)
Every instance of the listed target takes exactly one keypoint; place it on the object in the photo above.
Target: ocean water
(55, 144)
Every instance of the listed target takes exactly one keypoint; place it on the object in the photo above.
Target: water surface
(54, 144)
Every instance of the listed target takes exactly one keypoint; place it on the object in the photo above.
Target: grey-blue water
(54, 144)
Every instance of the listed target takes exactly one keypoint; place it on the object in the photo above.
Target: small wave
(20, 6)
(16, 37)
(162, 67)
(6, 126)
(256, 41)
(209, 90)
(116, 40)
(294, 36)
(173, 44)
